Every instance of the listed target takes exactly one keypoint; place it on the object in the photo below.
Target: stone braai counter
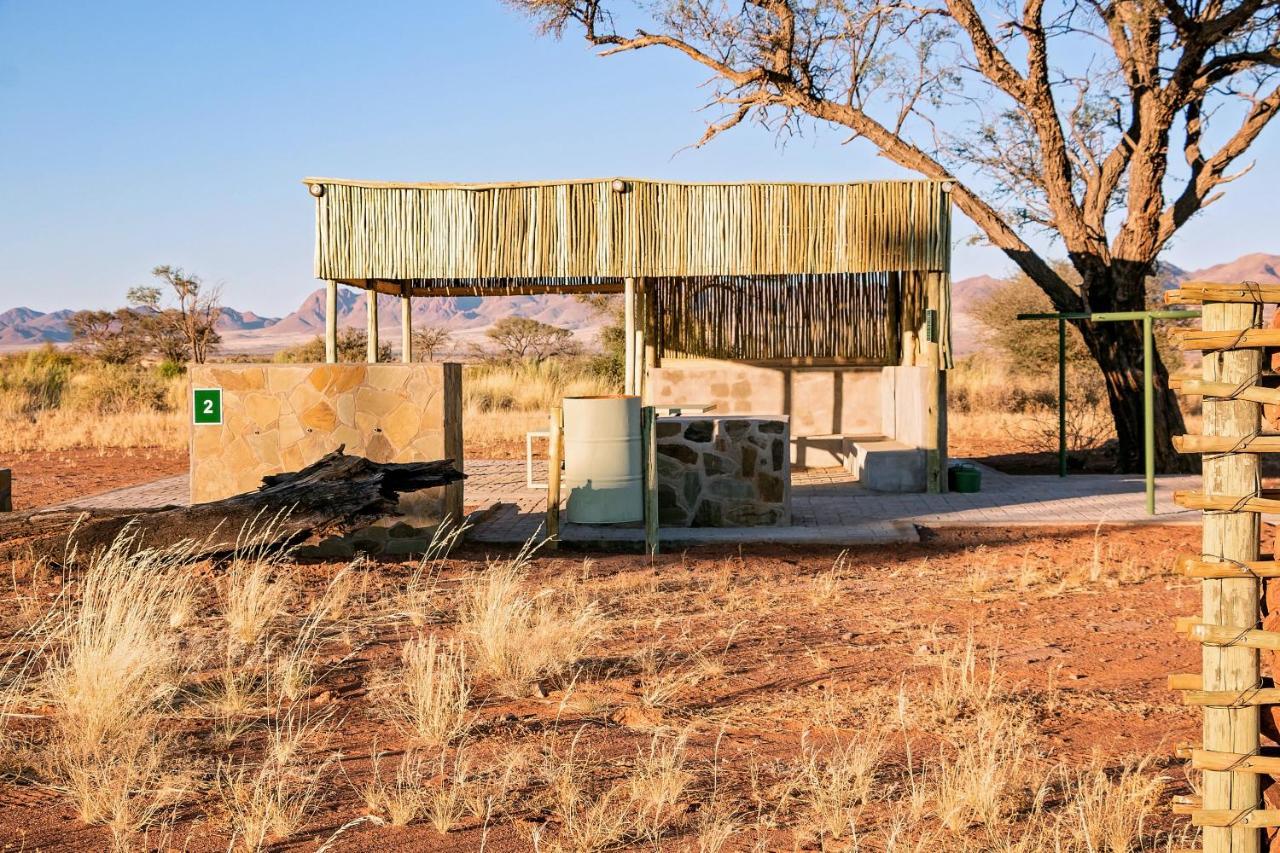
(724, 471)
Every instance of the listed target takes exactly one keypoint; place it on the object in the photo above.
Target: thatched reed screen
(849, 319)
(546, 233)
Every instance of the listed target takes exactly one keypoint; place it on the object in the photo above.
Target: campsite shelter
(827, 303)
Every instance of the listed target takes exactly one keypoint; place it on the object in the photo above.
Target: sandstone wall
(819, 401)
(282, 417)
(723, 471)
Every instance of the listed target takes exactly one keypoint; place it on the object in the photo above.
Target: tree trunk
(335, 494)
(1117, 348)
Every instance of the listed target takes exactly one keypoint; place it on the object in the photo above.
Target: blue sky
(141, 133)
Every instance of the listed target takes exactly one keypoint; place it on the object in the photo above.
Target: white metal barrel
(602, 474)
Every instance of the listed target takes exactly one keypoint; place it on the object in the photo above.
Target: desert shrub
(34, 380)
(353, 346)
(117, 389)
(530, 385)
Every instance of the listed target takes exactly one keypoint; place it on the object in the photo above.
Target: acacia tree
(192, 322)
(1053, 114)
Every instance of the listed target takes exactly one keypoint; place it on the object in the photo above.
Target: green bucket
(964, 478)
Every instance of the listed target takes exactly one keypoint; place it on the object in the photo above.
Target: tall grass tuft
(518, 638)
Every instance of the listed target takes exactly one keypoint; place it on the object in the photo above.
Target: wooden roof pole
(371, 302)
(629, 332)
(406, 326)
(331, 322)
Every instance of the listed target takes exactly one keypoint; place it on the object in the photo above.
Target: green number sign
(206, 405)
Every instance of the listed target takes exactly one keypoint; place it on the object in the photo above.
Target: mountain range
(468, 316)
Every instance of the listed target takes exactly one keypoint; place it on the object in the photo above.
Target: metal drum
(602, 473)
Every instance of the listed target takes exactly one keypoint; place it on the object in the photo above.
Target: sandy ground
(752, 656)
(51, 477)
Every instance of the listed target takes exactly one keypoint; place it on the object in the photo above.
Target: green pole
(1062, 397)
(1148, 414)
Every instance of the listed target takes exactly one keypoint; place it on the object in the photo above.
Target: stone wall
(819, 401)
(723, 471)
(282, 417)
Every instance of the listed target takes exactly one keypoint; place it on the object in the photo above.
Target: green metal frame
(1148, 392)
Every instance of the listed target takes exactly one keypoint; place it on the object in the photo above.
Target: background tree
(193, 319)
(430, 339)
(112, 337)
(520, 338)
(1055, 117)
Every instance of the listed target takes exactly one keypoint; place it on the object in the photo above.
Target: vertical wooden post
(650, 321)
(406, 326)
(629, 335)
(6, 490)
(371, 302)
(554, 444)
(331, 322)
(649, 447)
(453, 439)
(1231, 536)
(641, 310)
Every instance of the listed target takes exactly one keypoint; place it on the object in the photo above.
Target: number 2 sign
(206, 405)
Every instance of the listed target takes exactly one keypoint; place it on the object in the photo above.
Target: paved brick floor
(827, 506)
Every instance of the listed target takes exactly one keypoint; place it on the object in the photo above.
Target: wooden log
(1238, 819)
(1239, 762)
(1226, 390)
(6, 490)
(1186, 681)
(1186, 804)
(1235, 536)
(1257, 696)
(1229, 503)
(1226, 443)
(334, 495)
(1192, 566)
(1234, 636)
(1230, 339)
(1213, 291)
(554, 455)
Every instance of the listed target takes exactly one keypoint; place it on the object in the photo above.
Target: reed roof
(590, 234)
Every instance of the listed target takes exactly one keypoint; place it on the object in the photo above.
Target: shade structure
(786, 248)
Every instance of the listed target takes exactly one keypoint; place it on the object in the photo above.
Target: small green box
(206, 406)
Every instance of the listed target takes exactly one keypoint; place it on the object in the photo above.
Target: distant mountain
(232, 320)
(1259, 267)
(459, 313)
(469, 316)
(26, 327)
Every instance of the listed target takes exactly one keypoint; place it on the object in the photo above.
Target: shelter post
(629, 335)
(371, 302)
(1062, 397)
(331, 322)
(406, 326)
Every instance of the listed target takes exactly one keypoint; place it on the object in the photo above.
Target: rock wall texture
(282, 417)
(723, 471)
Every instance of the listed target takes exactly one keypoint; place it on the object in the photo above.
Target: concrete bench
(885, 465)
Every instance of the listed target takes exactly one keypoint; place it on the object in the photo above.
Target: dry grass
(166, 708)
(428, 698)
(519, 638)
